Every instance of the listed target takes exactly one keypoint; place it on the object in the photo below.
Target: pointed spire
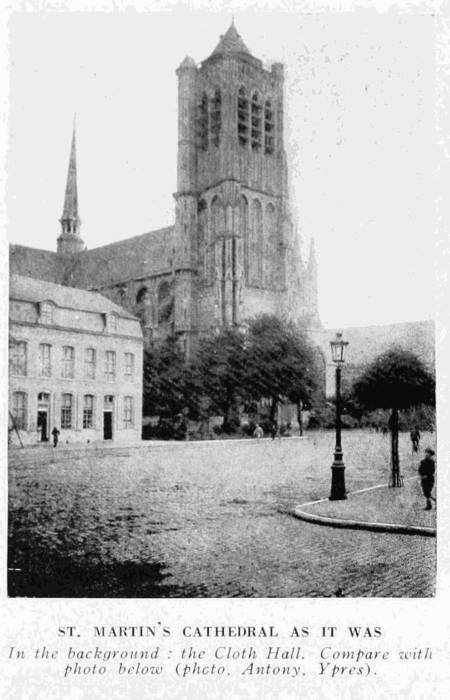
(312, 286)
(69, 241)
(231, 42)
(70, 210)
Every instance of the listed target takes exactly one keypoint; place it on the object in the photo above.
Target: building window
(88, 411)
(66, 411)
(111, 323)
(45, 360)
(110, 365)
(268, 128)
(142, 295)
(89, 363)
(68, 364)
(127, 412)
(19, 409)
(18, 357)
(46, 312)
(216, 117)
(202, 123)
(129, 364)
(242, 117)
(256, 123)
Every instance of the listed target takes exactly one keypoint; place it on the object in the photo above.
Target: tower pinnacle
(70, 241)
(313, 301)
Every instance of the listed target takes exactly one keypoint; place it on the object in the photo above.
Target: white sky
(360, 136)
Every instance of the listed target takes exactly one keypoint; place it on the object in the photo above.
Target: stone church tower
(235, 250)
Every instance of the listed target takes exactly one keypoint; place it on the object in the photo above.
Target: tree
(281, 363)
(164, 380)
(220, 365)
(396, 380)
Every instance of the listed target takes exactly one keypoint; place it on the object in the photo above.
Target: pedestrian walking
(258, 432)
(415, 439)
(427, 469)
(55, 433)
(274, 429)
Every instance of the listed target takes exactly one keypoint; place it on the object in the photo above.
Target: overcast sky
(359, 136)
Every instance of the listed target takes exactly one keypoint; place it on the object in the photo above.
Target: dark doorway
(42, 425)
(107, 425)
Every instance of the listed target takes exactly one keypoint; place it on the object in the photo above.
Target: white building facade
(75, 364)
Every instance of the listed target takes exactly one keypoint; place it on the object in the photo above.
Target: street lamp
(338, 467)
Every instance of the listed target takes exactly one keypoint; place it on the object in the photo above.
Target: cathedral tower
(233, 233)
(69, 241)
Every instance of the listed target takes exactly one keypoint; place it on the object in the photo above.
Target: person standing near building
(55, 433)
(258, 432)
(415, 439)
(427, 468)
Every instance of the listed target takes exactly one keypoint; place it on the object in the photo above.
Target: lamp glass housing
(338, 349)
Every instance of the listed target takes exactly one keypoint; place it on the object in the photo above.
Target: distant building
(75, 363)
(366, 342)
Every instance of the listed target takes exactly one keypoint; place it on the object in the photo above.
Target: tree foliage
(165, 379)
(281, 362)
(272, 359)
(220, 367)
(396, 379)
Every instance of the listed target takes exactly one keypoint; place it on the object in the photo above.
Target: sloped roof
(140, 256)
(231, 42)
(366, 342)
(34, 262)
(34, 290)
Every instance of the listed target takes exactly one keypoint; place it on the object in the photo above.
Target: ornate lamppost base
(338, 492)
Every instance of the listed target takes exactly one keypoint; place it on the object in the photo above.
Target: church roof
(34, 290)
(134, 258)
(230, 42)
(35, 262)
(138, 257)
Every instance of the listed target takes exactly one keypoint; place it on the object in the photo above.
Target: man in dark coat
(427, 470)
(55, 433)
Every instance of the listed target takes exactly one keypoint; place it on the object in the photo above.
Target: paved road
(204, 521)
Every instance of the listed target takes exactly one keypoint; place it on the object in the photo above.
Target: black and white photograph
(224, 302)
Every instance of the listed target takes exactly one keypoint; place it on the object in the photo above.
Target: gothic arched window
(243, 223)
(217, 230)
(271, 245)
(255, 243)
(216, 117)
(268, 128)
(142, 293)
(202, 236)
(242, 117)
(202, 123)
(165, 303)
(256, 123)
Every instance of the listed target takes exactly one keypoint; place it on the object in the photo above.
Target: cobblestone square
(205, 520)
